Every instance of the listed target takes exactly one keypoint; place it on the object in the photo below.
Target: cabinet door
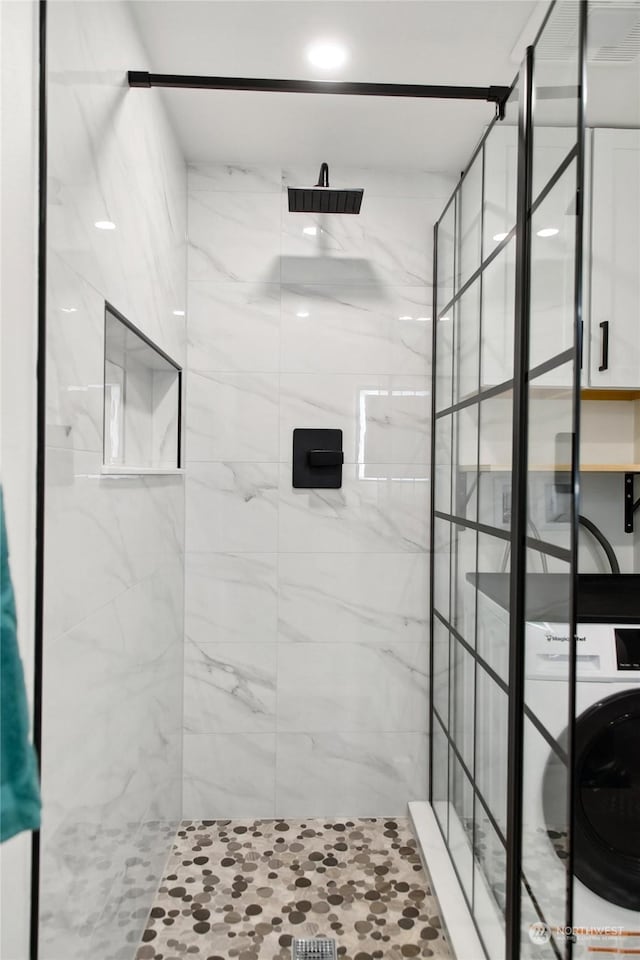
(615, 260)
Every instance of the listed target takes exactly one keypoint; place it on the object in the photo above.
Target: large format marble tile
(234, 326)
(352, 687)
(234, 236)
(363, 516)
(339, 402)
(363, 598)
(75, 359)
(96, 127)
(231, 597)
(383, 419)
(232, 507)
(354, 329)
(229, 687)
(389, 242)
(229, 775)
(410, 418)
(350, 774)
(113, 703)
(103, 534)
(232, 416)
(234, 178)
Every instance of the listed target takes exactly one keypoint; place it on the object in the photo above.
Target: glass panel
(441, 670)
(442, 465)
(491, 872)
(553, 231)
(545, 784)
(461, 722)
(444, 362)
(501, 177)
(498, 307)
(470, 221)
(537, 942)
(494, 497)
(465, 459)
(544, 830)
(446, 255)
(492, 706)
(467, 343)
(493, 575)
(461, 824)
(440, 776)
(549, 480)
(555, 91)
(441, 566)
(463, 613)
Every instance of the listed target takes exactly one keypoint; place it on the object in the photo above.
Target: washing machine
(607, 764)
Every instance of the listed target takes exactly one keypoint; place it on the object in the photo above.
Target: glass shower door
(547, 359)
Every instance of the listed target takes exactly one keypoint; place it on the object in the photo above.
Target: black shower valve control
(317, 459)
(325, 458)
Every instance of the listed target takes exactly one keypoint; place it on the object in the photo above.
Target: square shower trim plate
(320, 948)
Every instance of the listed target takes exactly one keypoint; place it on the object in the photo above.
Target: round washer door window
(607, 799)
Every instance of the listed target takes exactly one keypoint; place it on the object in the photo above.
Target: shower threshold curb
(461, 931)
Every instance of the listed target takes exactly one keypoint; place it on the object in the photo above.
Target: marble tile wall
(114, 565)
(306, 610)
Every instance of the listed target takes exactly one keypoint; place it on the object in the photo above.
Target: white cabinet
(613, 261)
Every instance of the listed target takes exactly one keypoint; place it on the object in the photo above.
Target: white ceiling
(393, 41)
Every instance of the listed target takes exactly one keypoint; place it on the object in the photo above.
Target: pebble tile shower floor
(246, 888)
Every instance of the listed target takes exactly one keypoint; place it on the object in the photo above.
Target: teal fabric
(19, 790)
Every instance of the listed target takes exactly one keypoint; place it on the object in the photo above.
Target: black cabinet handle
(325, 458)
(604, 363)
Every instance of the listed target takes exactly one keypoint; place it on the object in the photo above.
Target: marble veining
(229, 687)
(113, 604)
(307, 610)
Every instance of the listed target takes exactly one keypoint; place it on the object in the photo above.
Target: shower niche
(142, 402)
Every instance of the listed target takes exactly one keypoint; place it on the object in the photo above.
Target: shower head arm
(323, 176)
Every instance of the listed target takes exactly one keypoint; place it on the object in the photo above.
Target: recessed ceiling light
(327, 55)
(69, 309)
(423, 319)
(302, 313)
(405, 317)
(178, 313)
(105, 225)
(547, 232)
(310, 231)
(499, 237)
(444, 319)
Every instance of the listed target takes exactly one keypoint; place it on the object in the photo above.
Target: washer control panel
(627, 648)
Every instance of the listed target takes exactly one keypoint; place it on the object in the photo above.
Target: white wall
(18, 331)
(306, 610)
(113, 645)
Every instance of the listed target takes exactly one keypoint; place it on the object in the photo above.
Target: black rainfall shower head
(324, 199)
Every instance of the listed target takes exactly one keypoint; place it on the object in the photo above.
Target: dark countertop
(602, 597)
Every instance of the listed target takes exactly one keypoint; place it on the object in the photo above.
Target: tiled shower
(255, 679)
(296, 603)
(300, 602)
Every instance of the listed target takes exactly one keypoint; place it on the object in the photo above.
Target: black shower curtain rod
(492, 94)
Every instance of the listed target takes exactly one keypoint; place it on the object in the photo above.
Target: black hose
(602, 540)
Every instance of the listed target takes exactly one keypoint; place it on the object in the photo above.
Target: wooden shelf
(561, 467)
(589, 394)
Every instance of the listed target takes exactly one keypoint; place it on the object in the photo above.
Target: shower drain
(317, 949)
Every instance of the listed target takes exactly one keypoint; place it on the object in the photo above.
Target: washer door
(607, 798)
